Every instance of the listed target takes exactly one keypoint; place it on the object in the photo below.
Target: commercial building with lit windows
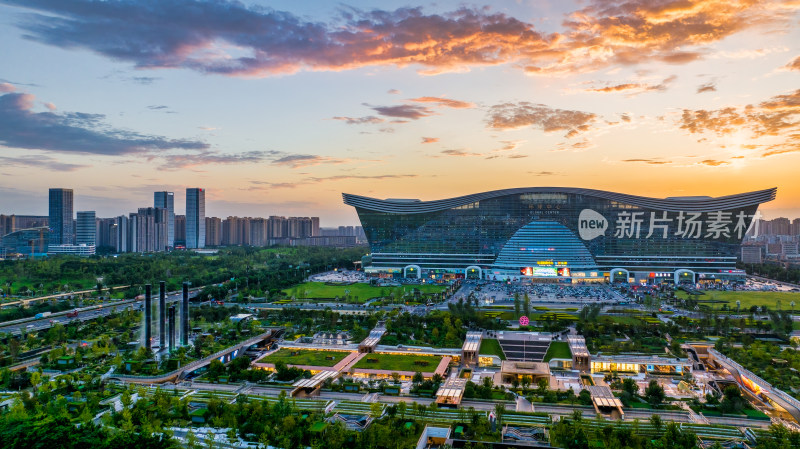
(559, 234)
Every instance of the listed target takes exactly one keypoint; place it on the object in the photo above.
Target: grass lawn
(357, 292)
(715, 299)
(490, 346)
(398, 362)
(304, 357)
(753, 413)
(558, 350)
(637, 404)
(629, 320)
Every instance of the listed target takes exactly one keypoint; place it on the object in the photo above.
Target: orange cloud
(460, 153)
(636, 31)
(794, 65)
(264, 42)
(714, 162)
(523, 114)
(648, 161)
(306, 160)
(635, 88)
(778, 116)
(446, 102)
(430, 139)
(707, 87)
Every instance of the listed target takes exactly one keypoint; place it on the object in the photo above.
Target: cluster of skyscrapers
(774, 240)
(153, 229)
(156, 228)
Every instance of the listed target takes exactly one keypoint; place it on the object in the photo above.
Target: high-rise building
(30, 221)
(7, 224)
(195, 218)
(276, 227)
(796, 226)
(106, 232)
(180, 230)
(258, 232)
(86, 229)
(230, 231)
(151, 231)
(347, 230)
(166, 200)
(133, 241)
(213, 231)
(780, 226)
(60, 217)
(315, 226)
(122, 234)
(299, 227)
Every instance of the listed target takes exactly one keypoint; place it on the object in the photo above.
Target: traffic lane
(44, 323)
(172, 297)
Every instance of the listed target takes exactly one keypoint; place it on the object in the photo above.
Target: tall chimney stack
(185, 315)
(162, 314)
(148, 311)
(171, 328)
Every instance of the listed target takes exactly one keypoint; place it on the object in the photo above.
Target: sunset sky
(278, 107)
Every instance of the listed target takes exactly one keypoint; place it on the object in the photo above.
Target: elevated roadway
(226, 354)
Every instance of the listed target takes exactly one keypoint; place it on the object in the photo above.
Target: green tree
(526, 306)
(655, 421)
(654, 394)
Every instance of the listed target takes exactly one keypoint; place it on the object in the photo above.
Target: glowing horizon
(278, 111)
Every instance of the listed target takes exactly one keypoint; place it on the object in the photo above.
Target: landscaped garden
(399, 362)
(558, 350)
(490, 346)
(305, 357)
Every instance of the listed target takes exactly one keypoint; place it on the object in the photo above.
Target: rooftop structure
(241, 317)
(472, 344)
(604, 400)
(639, 364)
(580, 354)
(307, 387)
(368, 345)
(433, 437)
(451, 391)
(524, 346)
(510, 370)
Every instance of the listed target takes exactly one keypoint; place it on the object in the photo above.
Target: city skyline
(387, 101)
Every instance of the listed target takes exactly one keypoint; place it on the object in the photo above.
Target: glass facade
(32, 242)
(166, 200)
(195, 218)
(60, 217)
(86, 228)
(563, 228)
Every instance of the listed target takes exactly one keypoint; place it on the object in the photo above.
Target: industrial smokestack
(162, 314)
(185, 315)
(148, 311)
(171, 328)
